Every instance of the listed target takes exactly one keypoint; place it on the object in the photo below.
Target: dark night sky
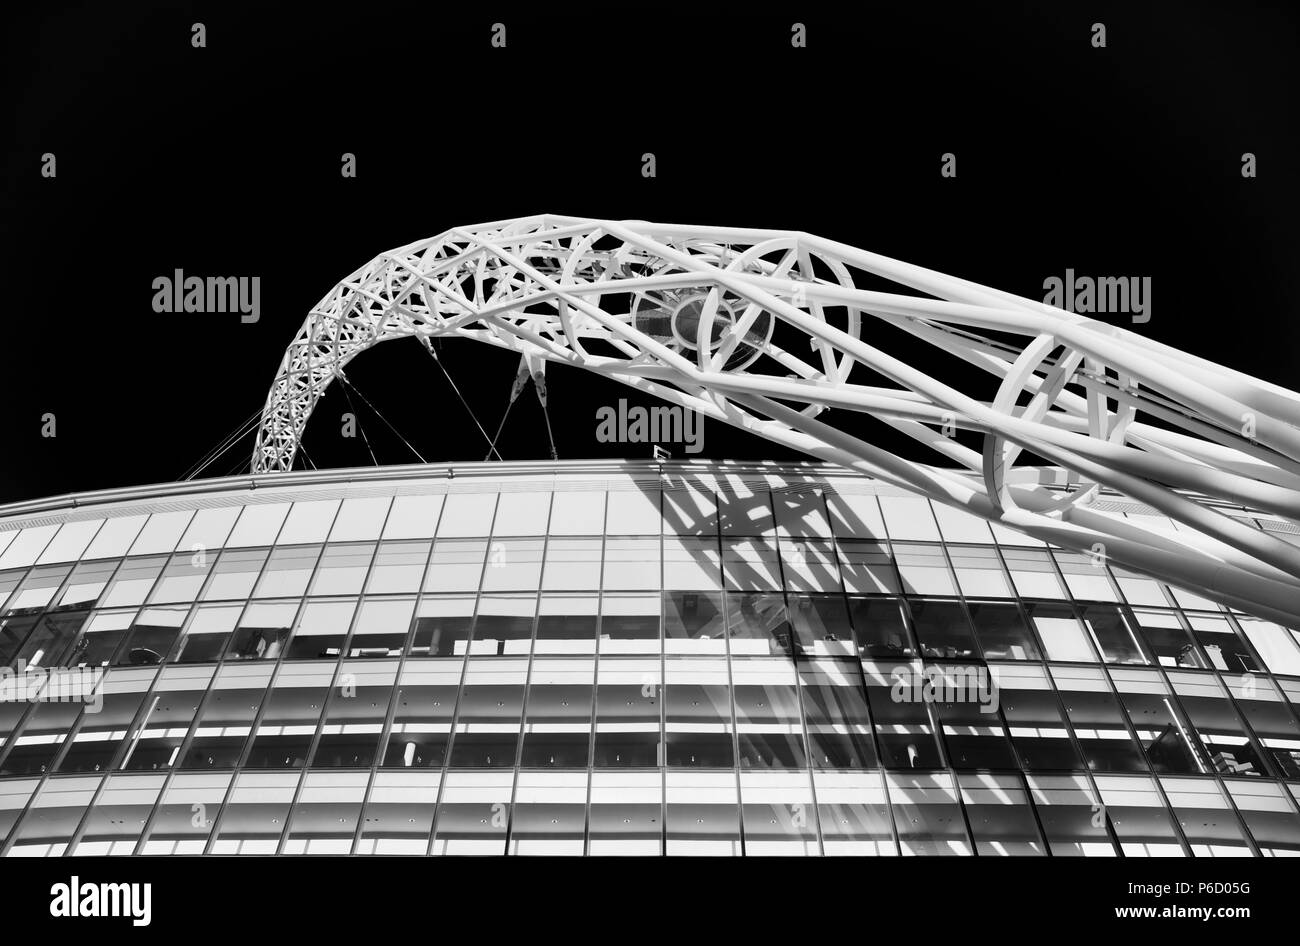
(225, 161)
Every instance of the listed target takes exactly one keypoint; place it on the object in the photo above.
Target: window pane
(287, 572)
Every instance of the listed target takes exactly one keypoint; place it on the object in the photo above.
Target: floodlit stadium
(1067, 632)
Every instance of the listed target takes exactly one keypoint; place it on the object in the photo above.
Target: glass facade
(784, 662)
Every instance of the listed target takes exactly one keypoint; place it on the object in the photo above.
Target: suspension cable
(360, 426)
(344, 379)
(492, 444)
(239, 433)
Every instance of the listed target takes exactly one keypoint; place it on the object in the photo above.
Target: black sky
(225, 161)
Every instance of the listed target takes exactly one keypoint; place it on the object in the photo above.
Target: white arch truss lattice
(767, 330)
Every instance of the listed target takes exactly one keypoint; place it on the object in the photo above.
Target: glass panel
(413, 517)
(868, 569)
(287, 572)
(966, 700)
(779, 816)
(1099, 724)
(70, 542)
(514, 565)
(557, 730)
(769, 730)
(631, 564)
(504, 625)
(1002, 631)
(132, 582)
(522, 513)
(550, 813)
(1001, 819)
(855, 517)
(1269, 814)
(29, 544)
(399, 814)
(1035, 719)
(1166, 639)
(629, 624)
(161, 729)
(35, 749)
(360, 519)
(488, 717)
(904, 730)
(381, 627)
(255, 815)
(633, 512)
(1274, 644)
(1060, 632)
(184, 820)
(1118, 641)
(835, 713)
(467, 515)
(161, 532)
(758, 625)
(153, 635)
(234, 574)
(923, 569)
(854, 814)
(327, 813)
(566, 624)
(703, 814)
(979, 572)
(258, 525)
(228, 718)
(1033, 574)
(114, 538)
(101, 638)
(1215, 721)
(1138, 816)
(399, 567)
(208, 529)
(1222, 647)
(442, 627)
(693, 623)
(1208, 823)
(810, 565)
(879, 629)
(943, 629)
(262, 630)
(322, 630)
(1072, 816)
(697, 713)
(308, 522)
(342, 569)
(354, 720)
(692, 564)
(457, 565)
(474, 813)
(182, 579)
(209, 633)
(627, 713)
(422, 717)
(909, 518)
(1086, 576)
(293, 709)
(927, 814)
(626, 814)
(821, 625)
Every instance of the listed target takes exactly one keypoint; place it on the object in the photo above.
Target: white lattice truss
(770, 331)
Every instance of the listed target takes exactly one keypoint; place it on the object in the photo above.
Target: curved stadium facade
(619, 658)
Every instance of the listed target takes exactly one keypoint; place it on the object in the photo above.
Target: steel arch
(767, 329)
